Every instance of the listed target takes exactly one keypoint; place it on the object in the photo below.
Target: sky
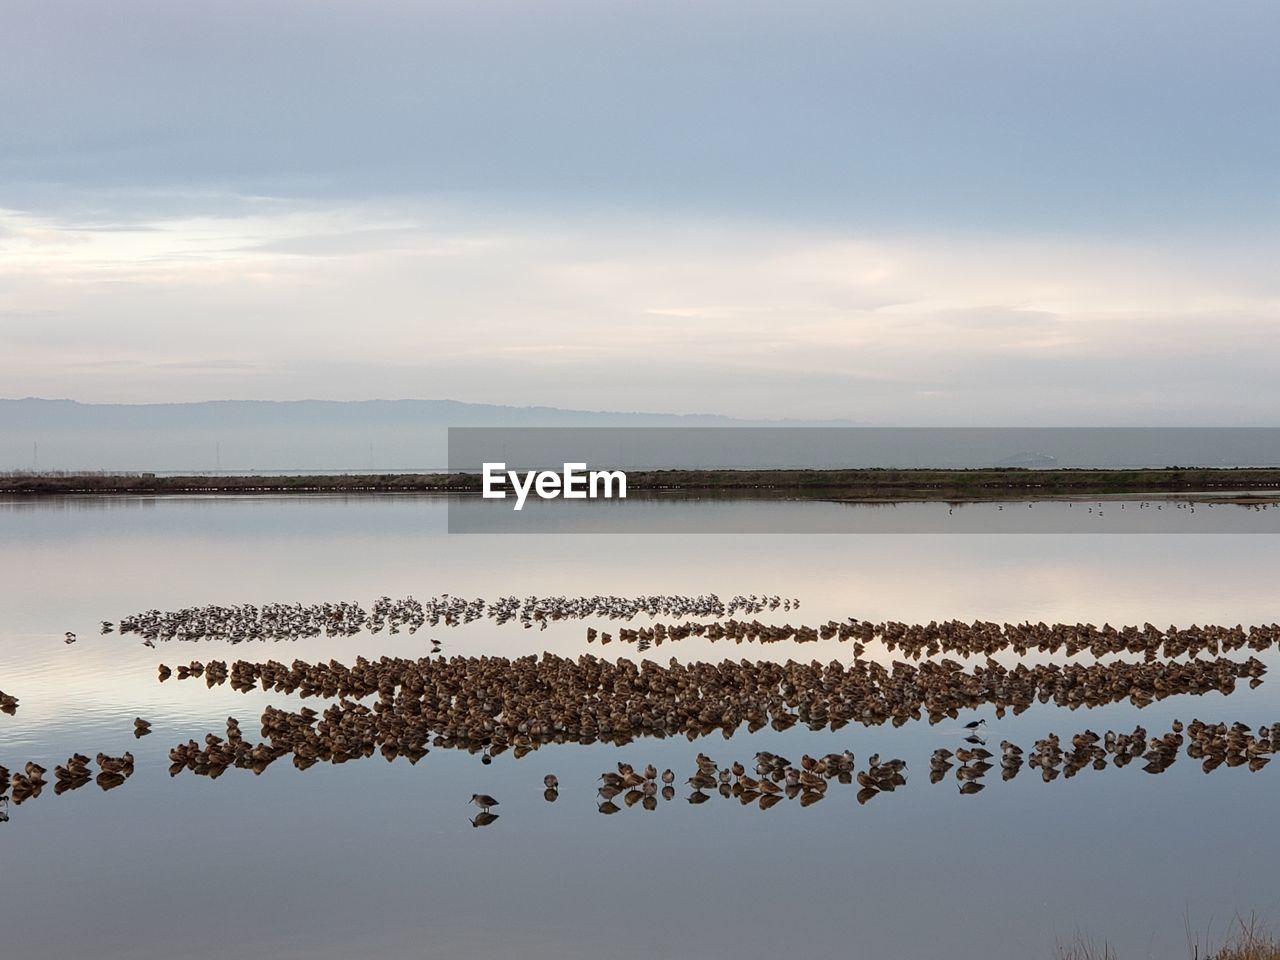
(920, 212)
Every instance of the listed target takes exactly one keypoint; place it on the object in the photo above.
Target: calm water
(378, 859)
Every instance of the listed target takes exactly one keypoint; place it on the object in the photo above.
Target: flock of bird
(241, 623)
(1214, 745)
(491, 704)
(29, 782)
(218, 754)
(280, 621)
(634, 786)
(980, 638)
(776, 778)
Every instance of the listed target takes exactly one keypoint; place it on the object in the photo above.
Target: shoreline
(1248, 485)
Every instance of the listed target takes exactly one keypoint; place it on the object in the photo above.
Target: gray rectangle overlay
(798, 503)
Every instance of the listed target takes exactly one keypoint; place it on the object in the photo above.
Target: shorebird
(483, 801)
(548, 699)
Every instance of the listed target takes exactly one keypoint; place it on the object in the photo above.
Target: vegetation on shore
(868, 484)
(1247, 938)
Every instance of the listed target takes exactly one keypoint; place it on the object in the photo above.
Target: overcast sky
(907, 212)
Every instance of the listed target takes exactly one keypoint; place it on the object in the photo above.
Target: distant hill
(263, 435)
(400, 436)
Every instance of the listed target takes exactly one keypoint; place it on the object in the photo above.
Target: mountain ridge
(409, 433)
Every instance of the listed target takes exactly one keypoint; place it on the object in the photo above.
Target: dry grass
(1247, 939)
(1082, 947)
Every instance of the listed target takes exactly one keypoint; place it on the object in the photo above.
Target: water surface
(379, 859)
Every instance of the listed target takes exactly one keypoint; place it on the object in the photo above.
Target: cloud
(917, 115)
(286, 299)
(206, 364)
(913, 212)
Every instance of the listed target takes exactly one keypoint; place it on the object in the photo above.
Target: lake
(377, 858)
